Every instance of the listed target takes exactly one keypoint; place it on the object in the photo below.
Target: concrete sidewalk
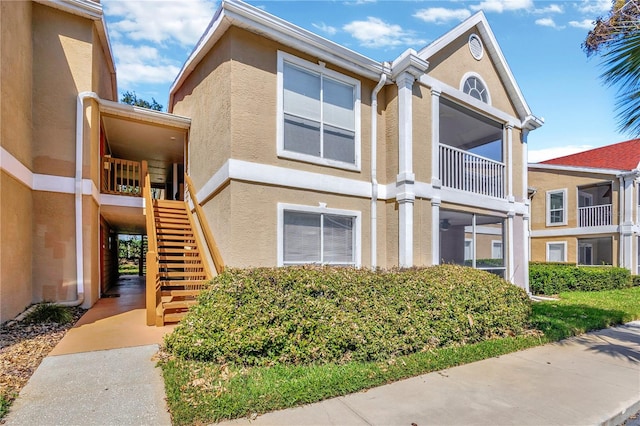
(588, 380)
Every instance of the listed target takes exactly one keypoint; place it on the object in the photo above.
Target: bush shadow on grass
(559, 321)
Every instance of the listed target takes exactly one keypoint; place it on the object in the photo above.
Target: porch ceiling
(125, 220)
(159, 145)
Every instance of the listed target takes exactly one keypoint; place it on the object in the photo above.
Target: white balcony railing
(469, 172)
(594, 215)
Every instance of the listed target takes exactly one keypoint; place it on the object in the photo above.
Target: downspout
(374, 170)
(78, 198)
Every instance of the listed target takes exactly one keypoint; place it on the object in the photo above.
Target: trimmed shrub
(635, 280)
(554, 278)
(306, 315)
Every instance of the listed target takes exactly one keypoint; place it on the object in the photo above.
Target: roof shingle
(619, 156)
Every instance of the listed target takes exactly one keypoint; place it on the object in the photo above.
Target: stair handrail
(218, 263)
(152, 278)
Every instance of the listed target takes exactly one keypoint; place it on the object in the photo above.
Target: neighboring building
(305, 151)
(65, 190)
(302, 151)
(585, 207)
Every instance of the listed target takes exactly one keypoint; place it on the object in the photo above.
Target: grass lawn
(202, 392)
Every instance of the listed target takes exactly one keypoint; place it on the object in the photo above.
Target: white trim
(547, 207)
(13, 167)
(474, 36)
(565, 232)
(470, 74)
(144, 114)
(592, 170)
(470, 102)
(323, 71)
(564, 250)
(321, 209)
(121, 201)
(299, 179)
(85, 8)
(242, 15)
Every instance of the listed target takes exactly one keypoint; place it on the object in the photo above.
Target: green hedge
(307, 315)
(554, 278)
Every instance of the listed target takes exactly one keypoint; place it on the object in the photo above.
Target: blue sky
(541, 40)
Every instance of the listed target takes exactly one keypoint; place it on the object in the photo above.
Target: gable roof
(619, 156)
(493, 49)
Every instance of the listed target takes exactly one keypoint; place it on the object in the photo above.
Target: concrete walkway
(588, 380)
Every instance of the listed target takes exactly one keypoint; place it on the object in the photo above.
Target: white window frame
(319, 68)
(564, 250)
(564, 207)
(484, 83)
(321, 209)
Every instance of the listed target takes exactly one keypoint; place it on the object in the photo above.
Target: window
(473, 85)
(318, 114)
(556, 206)
(318, 235)
(557, 252)
(496, 249)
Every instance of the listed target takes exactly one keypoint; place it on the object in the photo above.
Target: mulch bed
(22, 348)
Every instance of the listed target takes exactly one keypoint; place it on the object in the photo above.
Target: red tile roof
(619, 156)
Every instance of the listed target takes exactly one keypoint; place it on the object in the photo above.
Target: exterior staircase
(177, 269)
(182, 270)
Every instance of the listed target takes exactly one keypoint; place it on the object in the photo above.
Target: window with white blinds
(320, 238)
(318, 113)
(557, 252)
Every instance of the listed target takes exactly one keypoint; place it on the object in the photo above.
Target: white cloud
(440, 15)
(537, 155)
(594, 7)
(586, 24)
(159, 21)
(374, 32)
(137, 64)
(359, 2)
(500, 6)
(552, 8)
(547, 22)
(328, 29)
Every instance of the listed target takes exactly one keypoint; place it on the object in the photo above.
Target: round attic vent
(475, 46)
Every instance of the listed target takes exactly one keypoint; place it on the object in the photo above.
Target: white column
(510, 259)
(527, 250)
(435, 231)
(509, 132)
(435, 138)
(405, 179)
(627, 224)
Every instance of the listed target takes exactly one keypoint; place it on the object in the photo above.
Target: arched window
(474, 86)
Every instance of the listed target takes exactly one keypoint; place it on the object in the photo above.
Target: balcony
(122, 177)
(469, 172)
(599, 215)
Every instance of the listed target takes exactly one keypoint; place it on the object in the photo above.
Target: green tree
(132, 99)
(616, 38)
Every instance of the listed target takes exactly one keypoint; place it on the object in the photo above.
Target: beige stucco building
(62, 140)
(301, 150)
(584, 207)
(305, 151)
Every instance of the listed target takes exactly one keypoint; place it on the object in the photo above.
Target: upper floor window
(556, 207)
(473, 86)
(318, 114)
